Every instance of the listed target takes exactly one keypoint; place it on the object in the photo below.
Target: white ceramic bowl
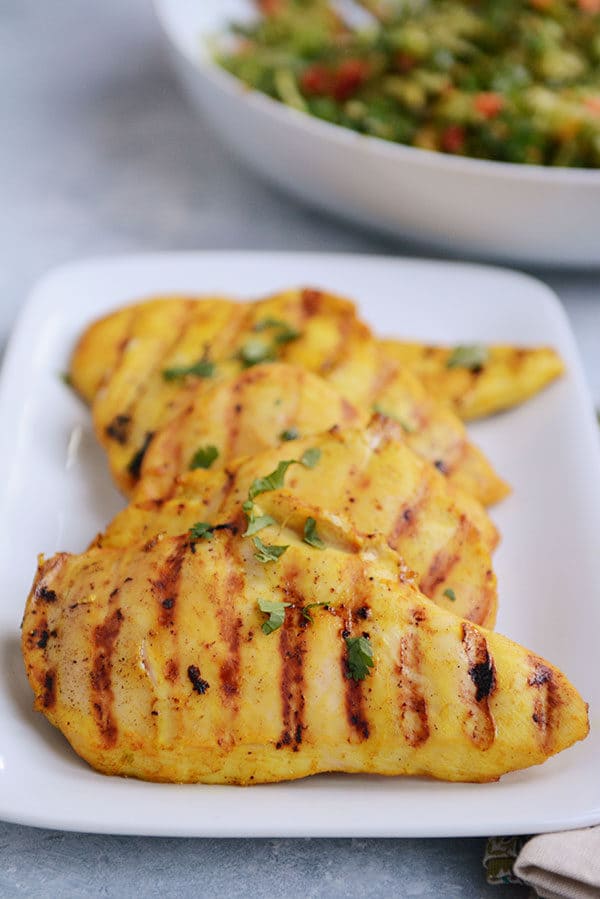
(528, 214)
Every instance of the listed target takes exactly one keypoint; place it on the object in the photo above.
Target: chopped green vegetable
(273, 481)
(507, 80)
(257, 524)
(310, 534)
(360, 657)
(310, 457)
(289, 434)
(276, 612)
(255, 351)
(265, 553)
(204, 457)
(311, 605)
(473, 357)
(66, 378)
(449, 592)
(201, 531)
(284, 332)
(201, 369)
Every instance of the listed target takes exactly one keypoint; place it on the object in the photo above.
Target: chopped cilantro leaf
(201, 369)
(289, 434)
(254, 351)
(286, 335)
(311, 457)
(312, 605)
(285, 332)
(360, 657)
(273, 481)
(201, 530)
(472, 357)
(257, 524)
(449, 592)
(310, 534)
(267, 553)
(276, 612)
(265, 323)
(204, 457)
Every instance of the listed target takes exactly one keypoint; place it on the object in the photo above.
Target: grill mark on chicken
(312, 301)
(121, 347)
(49, 690)
(166, 587)
(353, 626)
(342, 350)
(233, 414)
(546, 701)
(452, 457)
(230, 624)
(413, 704)
(144, 385)
(406, 520)
(105, 637)
(445, 560)
(479, 724)
(40, 635)
(292, 648)
(118, 429)
(384, 375)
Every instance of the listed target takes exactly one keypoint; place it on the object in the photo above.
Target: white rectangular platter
(56, 493)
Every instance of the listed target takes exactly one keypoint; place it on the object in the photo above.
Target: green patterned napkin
(500, 855)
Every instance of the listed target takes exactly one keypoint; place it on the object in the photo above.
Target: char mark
(119, 428)
(199, 685)
(292, 648)
(479, 722)
(42, 592)
(137, 460)
(49, 693)
(166, 586)
(105, 637)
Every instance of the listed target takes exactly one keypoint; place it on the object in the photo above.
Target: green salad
(510, 80)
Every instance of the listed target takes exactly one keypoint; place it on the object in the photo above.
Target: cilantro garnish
(310, 458)
(201, 369)
(273, 481)
(256, 524)
(360, 657)
(289, 434)
(312, 605)
(255, 351)
(472, 357)
(204, 457)
(267, 553)
(276, 612)
(285, 332)
(449, 592)
(201, 531)
(310, 534)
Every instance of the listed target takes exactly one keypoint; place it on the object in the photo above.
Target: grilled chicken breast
(370, 479)
(241, 415)
(505, 376)
(157, 662)
(137, 366)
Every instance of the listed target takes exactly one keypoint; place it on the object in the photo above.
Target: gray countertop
(100, 154)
